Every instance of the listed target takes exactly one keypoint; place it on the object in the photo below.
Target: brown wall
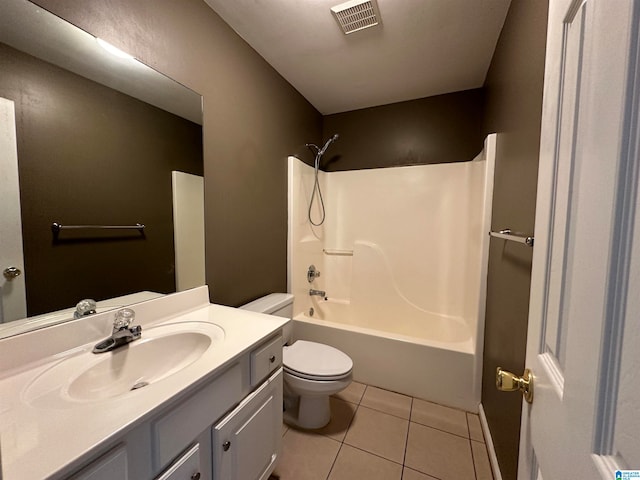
(90, 155)
(513, 109)
(440, 129)
(253, 119)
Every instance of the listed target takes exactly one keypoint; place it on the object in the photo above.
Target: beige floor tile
(353, 393)
(440, 417)
(481, 461)
(378, 433)
(439, 453)
(306, 456)
(341, 415)
(475, 429)
(387, 402)
(353, 464)
(408, 474)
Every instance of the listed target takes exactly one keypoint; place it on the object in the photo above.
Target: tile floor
(375, 434)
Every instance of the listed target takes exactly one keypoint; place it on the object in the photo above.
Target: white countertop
(16, 327)
(36, 442)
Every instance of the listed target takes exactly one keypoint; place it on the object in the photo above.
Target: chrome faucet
(319, 293)
(122, 333)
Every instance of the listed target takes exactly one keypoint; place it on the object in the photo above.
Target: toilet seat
(316, 361)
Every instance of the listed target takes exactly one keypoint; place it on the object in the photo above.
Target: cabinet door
(110, 466)
(246, 443)
(186, 467)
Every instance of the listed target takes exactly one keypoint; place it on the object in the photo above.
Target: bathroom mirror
(98, 134)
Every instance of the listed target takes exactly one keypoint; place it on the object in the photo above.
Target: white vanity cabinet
(227, 429)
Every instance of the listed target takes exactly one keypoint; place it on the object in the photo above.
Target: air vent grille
(356, 15)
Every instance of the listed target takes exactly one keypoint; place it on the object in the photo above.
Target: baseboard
(489, 442)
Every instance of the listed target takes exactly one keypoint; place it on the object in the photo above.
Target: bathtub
(435, 362)
(403, 254)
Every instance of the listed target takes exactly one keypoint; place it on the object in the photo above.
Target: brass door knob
(11, 272)
(508, 382)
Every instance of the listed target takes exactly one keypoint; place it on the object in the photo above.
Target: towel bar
(507, 234)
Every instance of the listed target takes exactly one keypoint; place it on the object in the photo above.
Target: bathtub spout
(319, 293)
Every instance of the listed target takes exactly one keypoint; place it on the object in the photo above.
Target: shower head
(326, 145)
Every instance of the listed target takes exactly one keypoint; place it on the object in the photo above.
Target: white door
(13, 303)
(188, 229)
(584, 319)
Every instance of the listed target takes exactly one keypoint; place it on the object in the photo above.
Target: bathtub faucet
(319, 293)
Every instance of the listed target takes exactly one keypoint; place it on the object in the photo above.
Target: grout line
(343, 438)
(387, 413)
(364, 392)
(367, 451)
(348, 425)
(374, 454)
(473, 460)
(333, 464)
(430, 475)
(441, 430)
(406, 441)
(469, 427)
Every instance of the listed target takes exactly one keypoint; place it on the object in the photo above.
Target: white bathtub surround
(402, 255)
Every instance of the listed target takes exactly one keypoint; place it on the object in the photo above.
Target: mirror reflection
(97, 142)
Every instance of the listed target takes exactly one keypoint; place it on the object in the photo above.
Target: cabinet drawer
(265, 359)
(178, 428)
(187, 467)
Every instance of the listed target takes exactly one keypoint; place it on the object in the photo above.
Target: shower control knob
(312, 273)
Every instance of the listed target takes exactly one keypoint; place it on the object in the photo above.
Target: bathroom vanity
(198, 397)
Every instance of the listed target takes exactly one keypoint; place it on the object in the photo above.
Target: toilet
(312, 371)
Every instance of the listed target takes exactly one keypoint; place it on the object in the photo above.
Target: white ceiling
(422, 48)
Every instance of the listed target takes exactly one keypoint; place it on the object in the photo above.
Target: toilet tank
(279, 304)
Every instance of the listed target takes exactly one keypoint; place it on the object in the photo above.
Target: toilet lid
(316, 360)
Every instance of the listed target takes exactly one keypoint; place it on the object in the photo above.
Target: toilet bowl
(312, 371)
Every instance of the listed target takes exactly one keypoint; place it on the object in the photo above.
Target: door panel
(583, 323)
(13, 304)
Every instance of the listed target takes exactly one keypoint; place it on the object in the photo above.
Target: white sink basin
(86, 377)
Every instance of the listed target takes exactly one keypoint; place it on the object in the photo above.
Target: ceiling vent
(356, 15)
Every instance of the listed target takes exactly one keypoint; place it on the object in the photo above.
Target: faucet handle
(85, 307)
(312, 273)
(124, 318)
